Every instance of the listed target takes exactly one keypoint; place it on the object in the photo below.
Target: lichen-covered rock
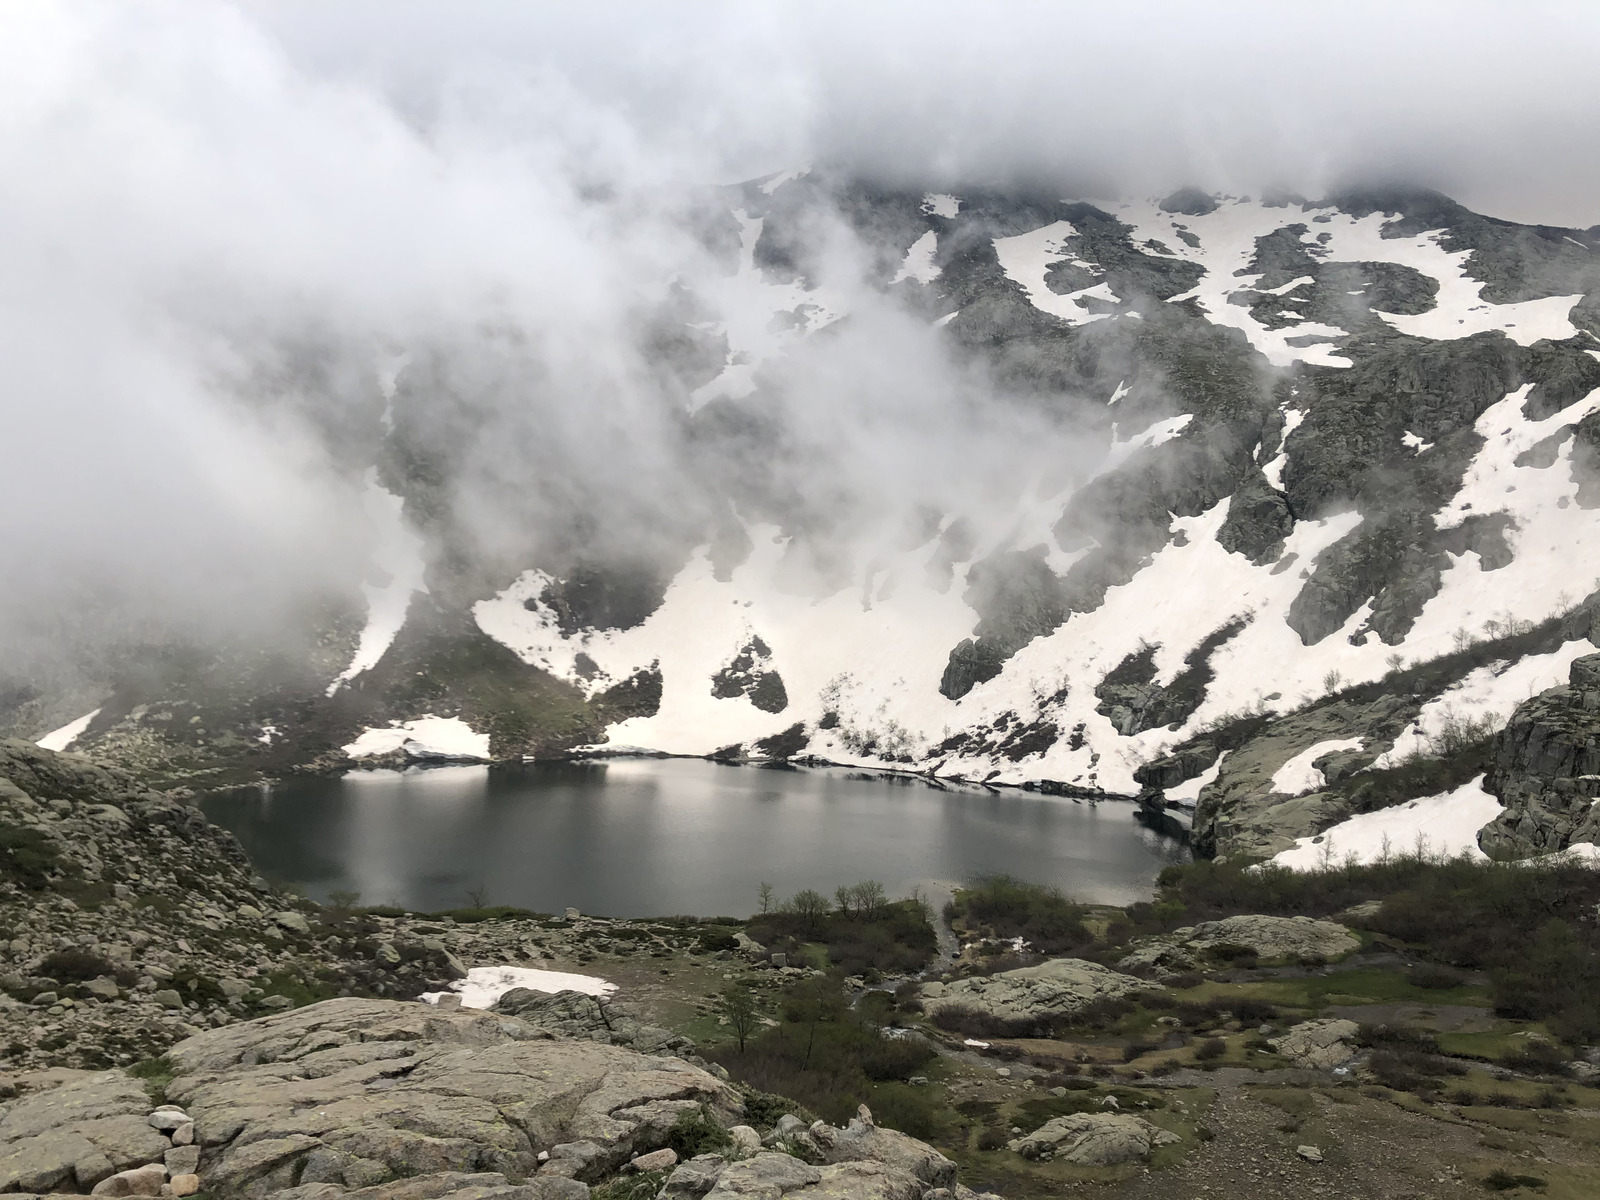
(1319, 1044)
(1062, 985)
(1094, 1139)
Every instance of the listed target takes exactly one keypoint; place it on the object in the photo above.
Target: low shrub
(1210, 1049)
(696, 1131)
(993, 1138)
(1435, 977)
(75, 966)
(1503, 1181)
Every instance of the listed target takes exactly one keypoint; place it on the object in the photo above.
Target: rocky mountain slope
(1327, 520)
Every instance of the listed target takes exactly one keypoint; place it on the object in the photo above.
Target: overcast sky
(1497, 103)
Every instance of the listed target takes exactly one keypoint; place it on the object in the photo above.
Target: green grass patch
(156, 1074)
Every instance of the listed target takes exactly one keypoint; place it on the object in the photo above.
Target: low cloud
(220, 222)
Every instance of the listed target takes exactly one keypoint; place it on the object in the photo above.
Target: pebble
(184, 1185)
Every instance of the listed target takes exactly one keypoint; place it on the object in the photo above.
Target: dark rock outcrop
(1545, 768)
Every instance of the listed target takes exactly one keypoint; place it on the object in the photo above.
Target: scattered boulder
(862, 1141)
(139, 1181)
(1266, 937)
(694, 1178)
(657, 1160)
(1321, 1044)
(1094, 1139)
(1062, 985)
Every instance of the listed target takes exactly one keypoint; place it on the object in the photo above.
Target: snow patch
(484, 985)
(1486, 696)
(761, 317)
(60, 739)
(398, 555)
(937, 204)
(1026, 257)
(1188, 792)
(1298, 776)
(1445, 825)
(919, 264)
(425, 737)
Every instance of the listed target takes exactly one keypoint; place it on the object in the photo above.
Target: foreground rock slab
(355, 1093)
(77, 1135)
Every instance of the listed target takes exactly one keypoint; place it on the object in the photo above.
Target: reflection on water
(641, 837)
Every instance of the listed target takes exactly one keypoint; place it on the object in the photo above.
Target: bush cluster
(1006, 907)
(864, 933)
(828, 1056)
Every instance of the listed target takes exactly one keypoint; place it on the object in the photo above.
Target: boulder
(1266, 937)
(1094, 1139)
(764, 1175)
(140, 1181)
(1321, 1044)
(694, 1178)
(657, 1160)
(861, 1181)
(292, 921)
(182, 1160)
(1062, 985)
(864, 1142)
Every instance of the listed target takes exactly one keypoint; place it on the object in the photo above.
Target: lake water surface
(653, 837)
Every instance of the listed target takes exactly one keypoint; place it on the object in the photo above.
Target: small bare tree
(764, 895)
(477, 896)
(810, 906)
(740, 1010)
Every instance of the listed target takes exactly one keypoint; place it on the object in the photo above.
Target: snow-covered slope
(1314, 445)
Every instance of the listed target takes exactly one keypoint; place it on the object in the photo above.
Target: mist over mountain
(1054, 398)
